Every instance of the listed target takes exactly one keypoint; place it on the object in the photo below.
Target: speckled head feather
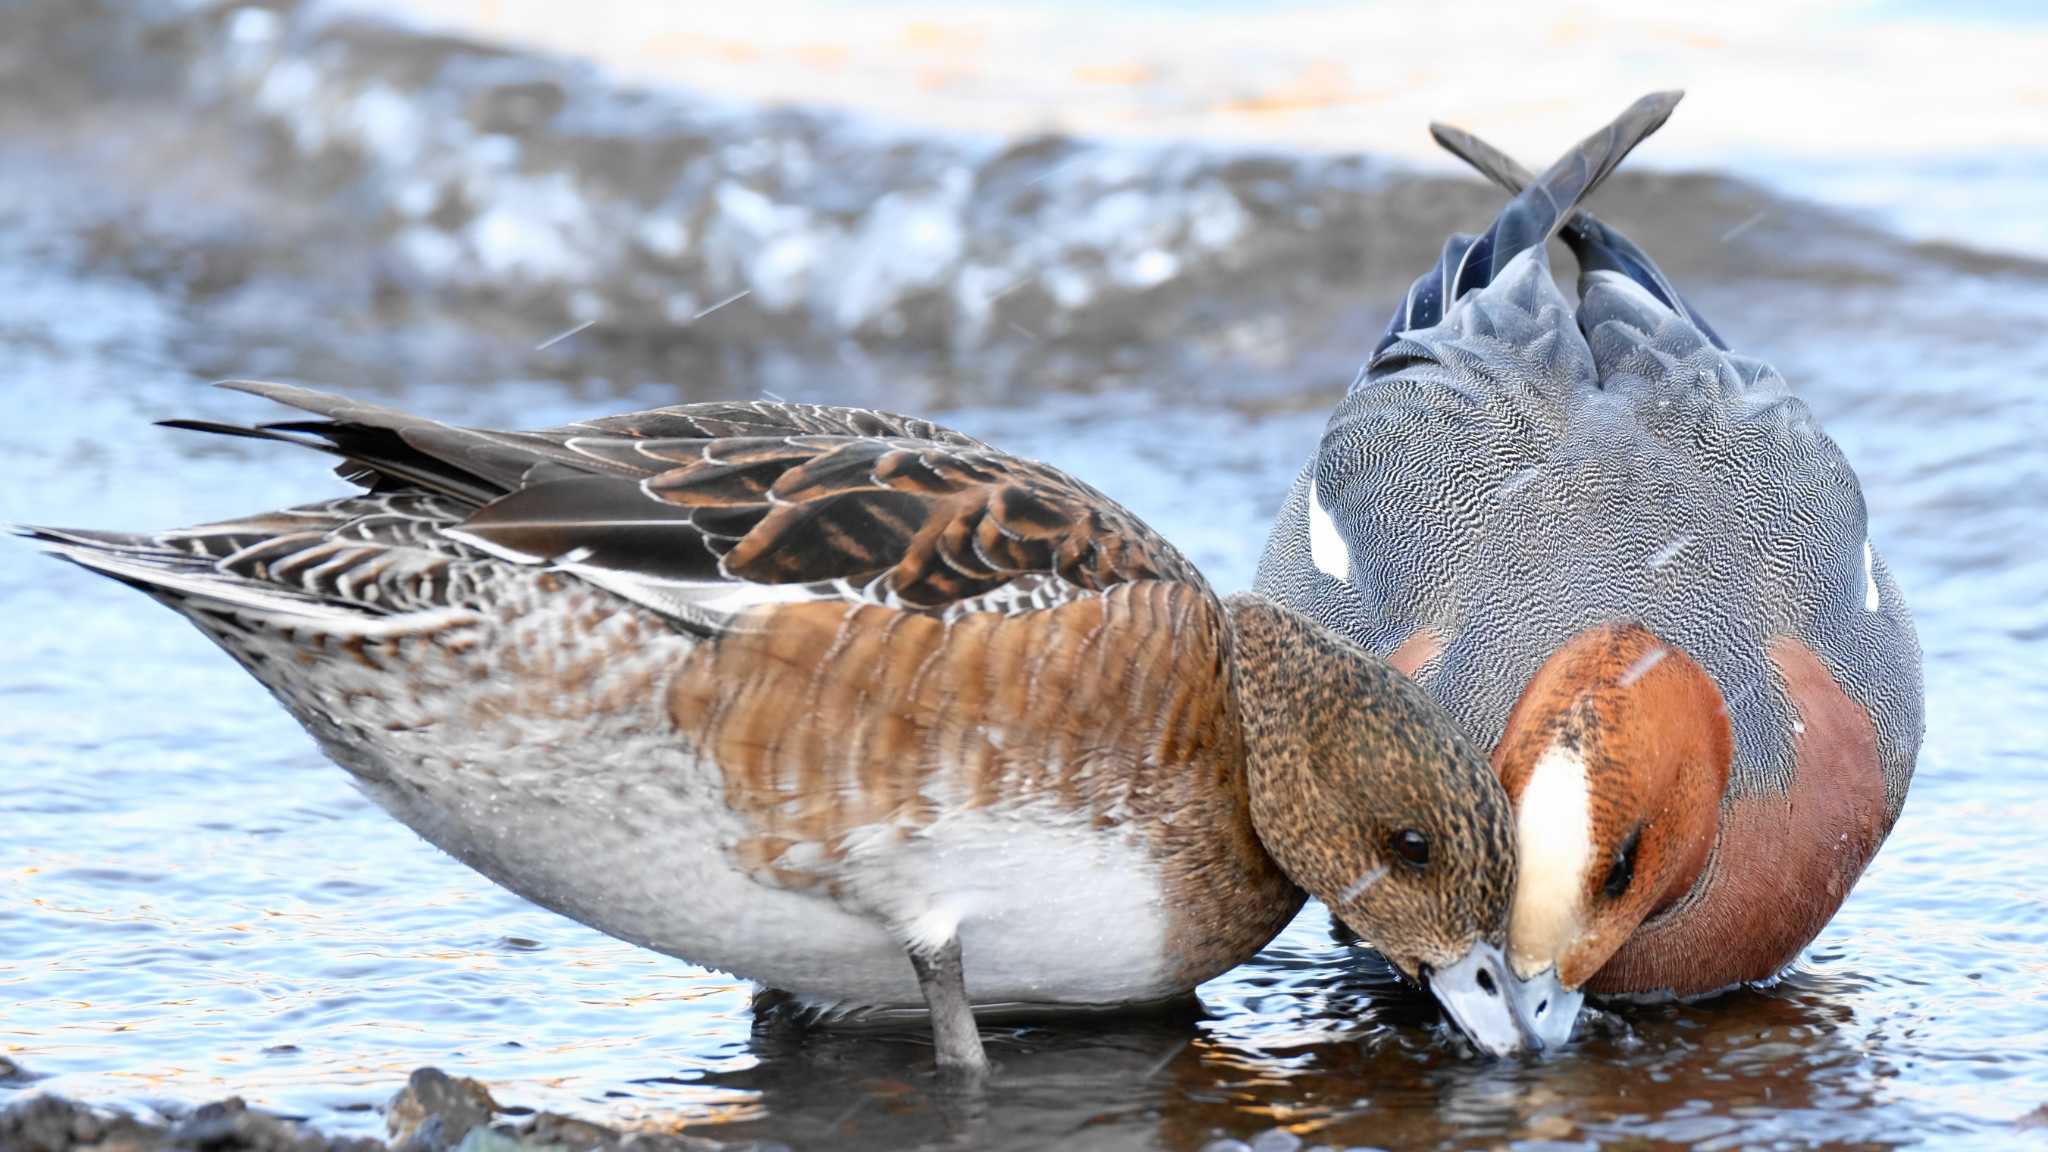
(1367, 795)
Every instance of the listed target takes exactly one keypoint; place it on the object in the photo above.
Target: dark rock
(54, 1124)
(567, 1131)
(229, 1126)
(553, 1130)
(435, 1111)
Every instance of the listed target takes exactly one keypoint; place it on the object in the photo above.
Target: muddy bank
(434, 1112)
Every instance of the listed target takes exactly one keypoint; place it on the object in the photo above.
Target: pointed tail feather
(1539, 209)
(379, 444)
(194, 584)
(1596, 246)
(1492, 163)
(168, 573)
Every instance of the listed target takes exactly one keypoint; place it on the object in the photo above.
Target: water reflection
(1328, 1044)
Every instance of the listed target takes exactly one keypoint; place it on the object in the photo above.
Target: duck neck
(1343, 755)
(1272, 688)
(1309, 704)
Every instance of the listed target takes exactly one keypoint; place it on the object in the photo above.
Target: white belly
(604, 814)
(638, 843)
(614, 822)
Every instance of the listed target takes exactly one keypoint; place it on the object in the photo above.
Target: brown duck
(846, 703)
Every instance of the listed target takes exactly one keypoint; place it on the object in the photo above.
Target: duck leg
(944, 982)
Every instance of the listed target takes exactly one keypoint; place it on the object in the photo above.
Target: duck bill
(1544, 1008)
(1474, 993)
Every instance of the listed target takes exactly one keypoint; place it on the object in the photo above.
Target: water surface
(194, 903)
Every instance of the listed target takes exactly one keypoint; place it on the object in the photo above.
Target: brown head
(1368, 796)
(1615, 759)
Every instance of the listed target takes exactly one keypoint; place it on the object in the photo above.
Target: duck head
(1366, 794)
(1615, 759)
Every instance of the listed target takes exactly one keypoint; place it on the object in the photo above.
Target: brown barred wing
(703, 511)
(723, 420)
(730, 524)
(385, 449)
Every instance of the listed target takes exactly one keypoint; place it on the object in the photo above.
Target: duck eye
(1412, 847)
(1623, 871)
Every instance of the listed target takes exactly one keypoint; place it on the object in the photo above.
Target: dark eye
(1412, 847)
(1623, 871)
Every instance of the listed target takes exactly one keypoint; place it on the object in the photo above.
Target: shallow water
(193, 902)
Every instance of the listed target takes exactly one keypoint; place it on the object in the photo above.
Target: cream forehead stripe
(1553, 834)
(1325, 544)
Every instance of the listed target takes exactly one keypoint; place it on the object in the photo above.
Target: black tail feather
(382, 447)
(1541, 207)
(1594, 244)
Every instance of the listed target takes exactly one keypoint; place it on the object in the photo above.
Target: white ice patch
(535, 228)
(1148, 269)
(1871, 600)
(1215, 218)
(664, 235)
(253, 26)
(1553, 835)
(910, 241)
(389, 125)
(1325, 544)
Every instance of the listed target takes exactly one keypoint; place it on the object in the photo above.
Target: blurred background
(1150, 243)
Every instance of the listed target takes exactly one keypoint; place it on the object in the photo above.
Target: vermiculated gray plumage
(1511, 468)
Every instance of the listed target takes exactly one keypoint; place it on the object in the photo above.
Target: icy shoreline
(508, 199)
(1921, 110)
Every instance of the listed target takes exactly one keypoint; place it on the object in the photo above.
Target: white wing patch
(1325, 543)
(1553, 836)
(1871, 600)
(735, 597)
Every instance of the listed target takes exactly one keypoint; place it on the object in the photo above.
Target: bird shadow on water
(872, 1083)
(1331, 1047)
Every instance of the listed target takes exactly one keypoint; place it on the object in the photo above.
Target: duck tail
(174, 568)
(1596, 246)
(1542, 205)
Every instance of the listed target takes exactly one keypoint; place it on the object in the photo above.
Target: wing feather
(702, 511)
